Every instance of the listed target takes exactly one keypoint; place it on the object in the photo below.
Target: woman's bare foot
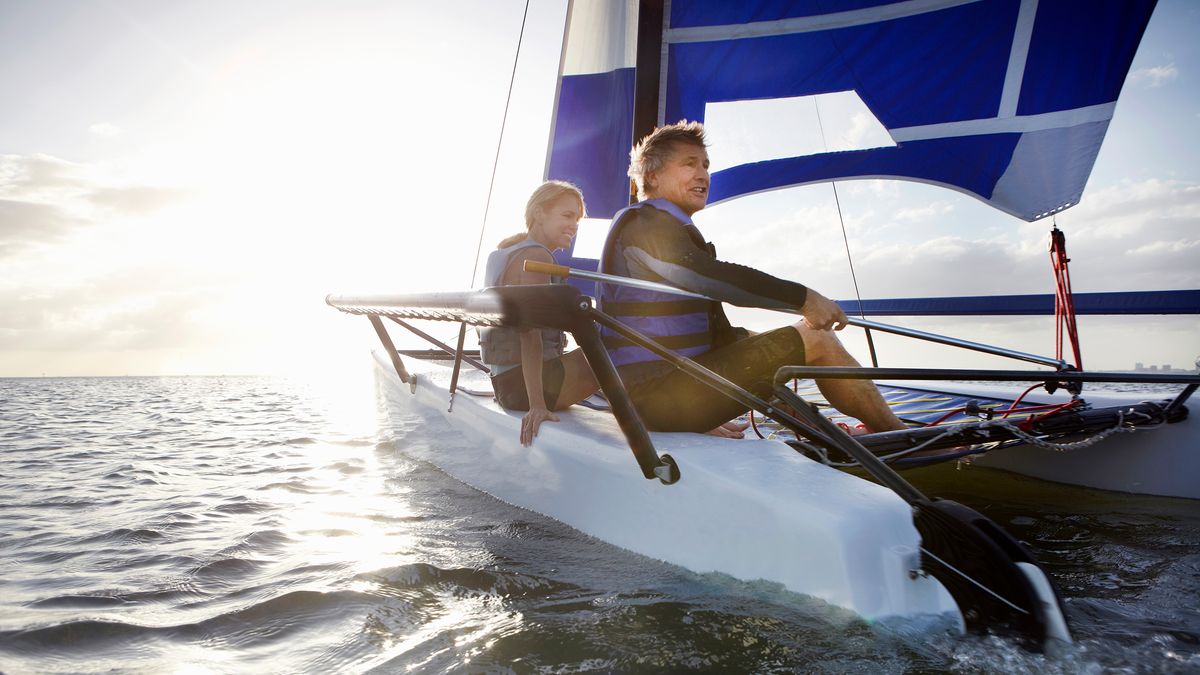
(730, 429)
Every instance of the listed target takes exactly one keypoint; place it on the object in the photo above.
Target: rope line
(499, 143)
(846, 240)
(1017, 432)
(981, 587)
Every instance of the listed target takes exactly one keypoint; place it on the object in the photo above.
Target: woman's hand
(532, 421)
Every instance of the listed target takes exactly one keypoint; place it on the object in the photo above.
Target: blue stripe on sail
(961, 69)
(1132, 302)
(763, 68)
(972, 164)
(592, 136)
(1080, 54)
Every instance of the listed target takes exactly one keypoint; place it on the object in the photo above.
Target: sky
(182, 183)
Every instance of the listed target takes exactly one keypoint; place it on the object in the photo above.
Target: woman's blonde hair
(539, 201)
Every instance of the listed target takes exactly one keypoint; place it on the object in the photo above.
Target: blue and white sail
(593, 123)
(1004, 100)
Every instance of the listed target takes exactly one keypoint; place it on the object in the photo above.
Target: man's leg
(679, 402)
(857, 398)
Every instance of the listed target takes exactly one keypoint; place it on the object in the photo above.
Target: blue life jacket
(501, 347)
(682, 324)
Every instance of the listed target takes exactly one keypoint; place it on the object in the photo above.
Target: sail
(1004, 100)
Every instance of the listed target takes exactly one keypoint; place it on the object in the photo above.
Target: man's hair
(654, 150)
(539, 201)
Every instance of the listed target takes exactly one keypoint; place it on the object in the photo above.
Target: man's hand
(822, 313)
(532, 421)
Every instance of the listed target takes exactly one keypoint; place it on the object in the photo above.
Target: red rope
(1064, 302)
(1028, 423)
(755, 426)
(1012, 407)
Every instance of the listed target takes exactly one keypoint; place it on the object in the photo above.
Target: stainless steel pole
(861, 323)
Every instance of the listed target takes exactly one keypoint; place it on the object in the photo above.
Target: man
(656, 240)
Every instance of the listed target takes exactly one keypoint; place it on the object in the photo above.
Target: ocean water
(224, 524)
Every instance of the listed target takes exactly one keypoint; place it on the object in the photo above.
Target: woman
(529, 369)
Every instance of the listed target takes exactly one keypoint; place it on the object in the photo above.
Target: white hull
(751, 509)
(1162, 461)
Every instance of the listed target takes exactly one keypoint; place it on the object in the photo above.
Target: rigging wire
(499, 143)
(846, 239)
(850, 259)
(462, 329)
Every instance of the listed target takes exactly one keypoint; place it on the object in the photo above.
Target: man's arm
(658, 248)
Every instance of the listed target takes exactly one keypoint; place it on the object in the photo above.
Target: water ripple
(267, 525)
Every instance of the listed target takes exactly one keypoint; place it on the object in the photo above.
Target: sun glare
(299, 164)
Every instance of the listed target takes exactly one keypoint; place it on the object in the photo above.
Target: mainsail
(1005, 100)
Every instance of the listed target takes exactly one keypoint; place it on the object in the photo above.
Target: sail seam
(487, 205)
(1014, 77)
(1059, 119)
(808, 24)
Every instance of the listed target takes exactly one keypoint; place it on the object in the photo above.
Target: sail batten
(807, 24)
(1017, 59)
(1006, 125)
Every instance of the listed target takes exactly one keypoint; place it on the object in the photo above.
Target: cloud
(948, 266)
(1136, 235)
(26, 223)
(135, 199)
(923, 213)
(38, 175)
(1154, 76)
(44, 200)
(871, 188)
(1160, 248)
(117, 311)
(105, 130)
(1131, 235)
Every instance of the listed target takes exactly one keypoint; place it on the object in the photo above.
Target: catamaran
(1004, 100)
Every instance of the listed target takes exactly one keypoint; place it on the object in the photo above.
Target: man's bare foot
(856, 430)
(730, 429)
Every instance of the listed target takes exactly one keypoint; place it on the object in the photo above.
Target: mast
(648, 71)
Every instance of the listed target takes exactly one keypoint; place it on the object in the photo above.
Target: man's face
(683, 180)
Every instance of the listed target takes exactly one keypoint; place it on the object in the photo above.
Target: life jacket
(502, 346)
(682, 324)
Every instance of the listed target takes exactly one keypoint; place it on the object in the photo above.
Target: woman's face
(557, 224)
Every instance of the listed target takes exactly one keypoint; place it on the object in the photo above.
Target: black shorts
(677, 401)
(510, 385)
